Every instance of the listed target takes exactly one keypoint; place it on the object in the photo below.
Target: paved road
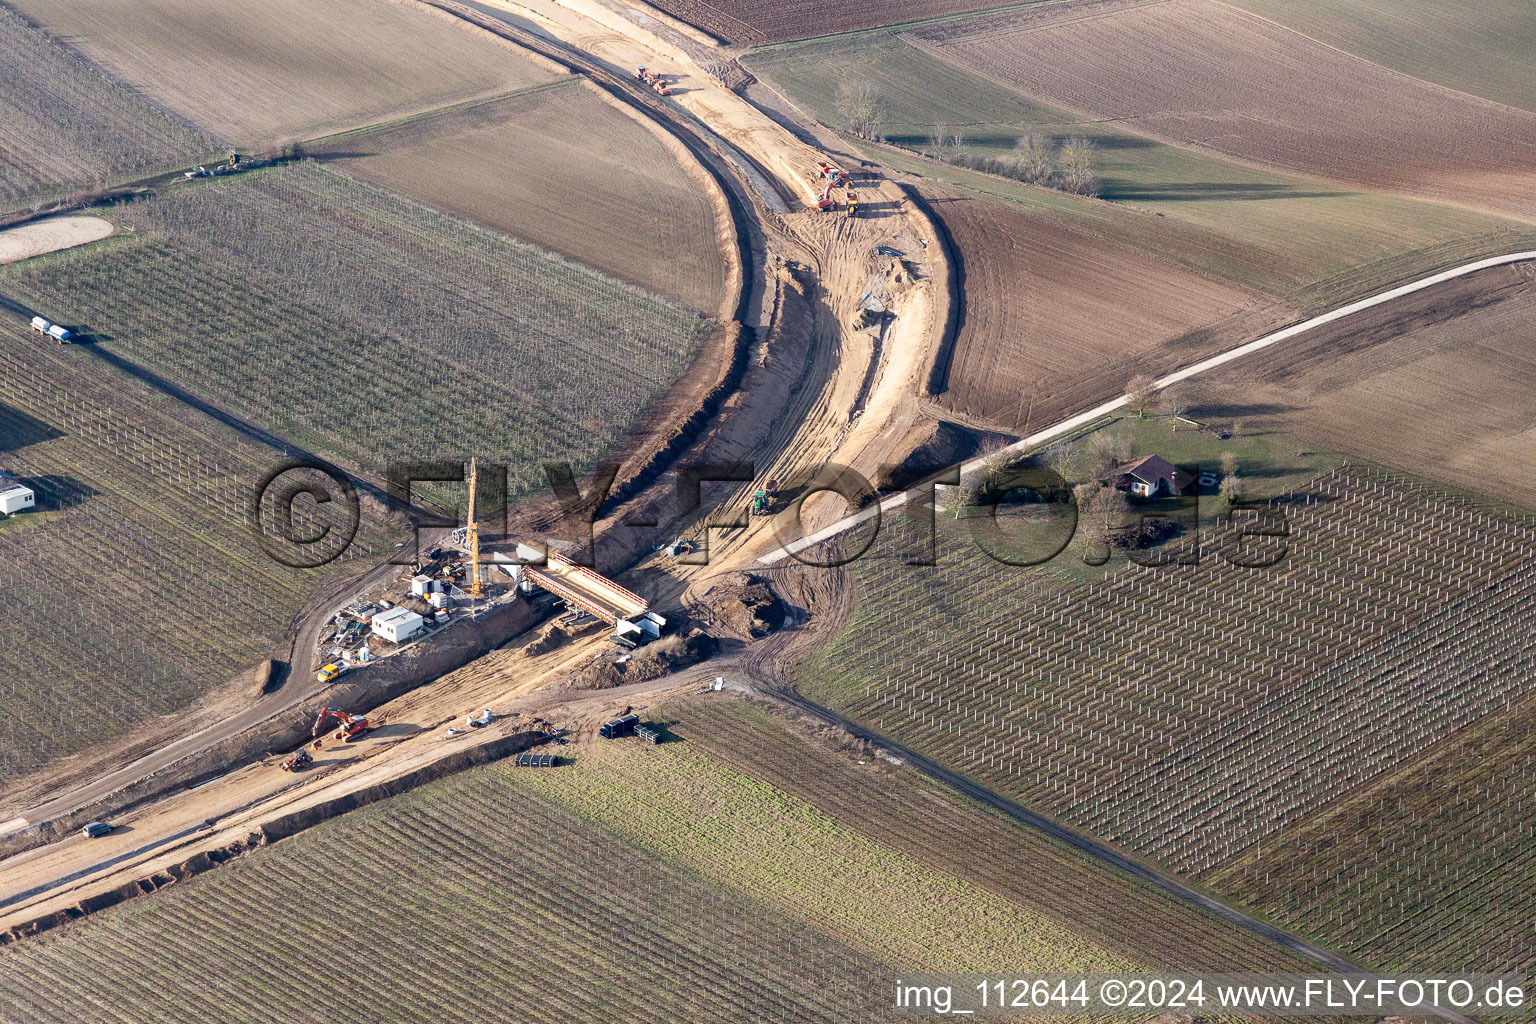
(1082, 419)
(1089, 846)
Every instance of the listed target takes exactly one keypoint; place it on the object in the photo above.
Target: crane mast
(472, 534)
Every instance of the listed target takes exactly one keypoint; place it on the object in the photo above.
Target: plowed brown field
(1438, 384)
(256, 73)
(1199, 73)
(612, 195)
(1056, 320)
(756, 22)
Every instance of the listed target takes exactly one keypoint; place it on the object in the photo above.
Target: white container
(398, 624)
(438, 601)
(40, 325)
(15, 498)
(420, 585)
(58, 333)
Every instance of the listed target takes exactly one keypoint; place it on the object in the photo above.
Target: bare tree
(1232, 488)
(947, 143)
(1034, 159)
(1228, 463)
(1139, 389)
(1175, 402)
(861, 110)
(1077, 167)
(1060, 458)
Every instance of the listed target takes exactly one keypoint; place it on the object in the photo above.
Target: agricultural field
(758, 22)
(1194, 714)
(1311, 245)
(362, 326)
(1425, 859)
(1050, 316)
(904, 810)
(253, 75)
(68, 127)
(1264, 95)
(1439, 382)
(613, 196)
(1483, 48)
(553, 895)
(136, 587)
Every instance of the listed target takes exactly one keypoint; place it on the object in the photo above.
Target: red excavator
(353, 727)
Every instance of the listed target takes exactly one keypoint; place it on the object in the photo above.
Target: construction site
(754, 331)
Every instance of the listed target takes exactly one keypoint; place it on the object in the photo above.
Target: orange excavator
(836, 179)
(353, 727)
(652, 79)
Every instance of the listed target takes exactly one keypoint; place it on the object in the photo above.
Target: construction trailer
(397, 625)
(620, 727)
(15, 497)
(634, 623)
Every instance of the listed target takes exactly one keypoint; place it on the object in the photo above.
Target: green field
(365, 327)
(1483, 47)
(1298, 240)
(68, 127)
(136, 587)
(1199, 714)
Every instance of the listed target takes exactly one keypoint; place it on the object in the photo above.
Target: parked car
(96, 829)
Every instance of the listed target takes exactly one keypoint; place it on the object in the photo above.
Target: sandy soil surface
(1200, 73)
(51, 235)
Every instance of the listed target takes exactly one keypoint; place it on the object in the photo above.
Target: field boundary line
(1065, 426)
(903, 26)
(452, 108)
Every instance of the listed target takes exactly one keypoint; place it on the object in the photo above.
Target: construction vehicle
(353, 727)
(836, 179)
(652, 79)
(853, 204)
(328, 673)
(299, 761)
(763, 500)
(479, 721)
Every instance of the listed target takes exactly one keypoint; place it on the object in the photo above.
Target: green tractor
(762, 501)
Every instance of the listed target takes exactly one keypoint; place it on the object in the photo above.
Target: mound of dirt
(747, 607)
(650, 662)
(557, 635)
